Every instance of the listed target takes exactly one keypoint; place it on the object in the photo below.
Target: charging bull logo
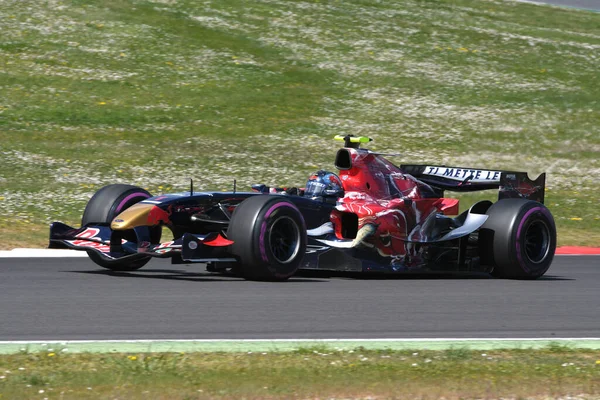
(158, 215)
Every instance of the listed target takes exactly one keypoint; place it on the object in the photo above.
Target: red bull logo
(158, 215)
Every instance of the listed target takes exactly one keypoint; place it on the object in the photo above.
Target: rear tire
(104, 206)
(518, 239)
(269, 236)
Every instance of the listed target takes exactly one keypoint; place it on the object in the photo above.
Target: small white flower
(483, 355)
(2, 377)
(415, 354)
(415, 364)
(41, 391)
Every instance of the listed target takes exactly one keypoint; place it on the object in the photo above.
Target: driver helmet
(324, 184)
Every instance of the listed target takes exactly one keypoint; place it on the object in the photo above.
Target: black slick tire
(103, 207)
(111, 200)
(519, 239)
(269, 235)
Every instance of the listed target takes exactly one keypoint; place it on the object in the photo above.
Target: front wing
(97, 239)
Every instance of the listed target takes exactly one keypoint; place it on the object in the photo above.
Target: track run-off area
(61, 300)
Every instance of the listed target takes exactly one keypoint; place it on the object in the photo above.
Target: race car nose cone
(136, 215)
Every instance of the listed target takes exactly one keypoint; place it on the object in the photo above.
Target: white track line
(64, 253)
(41, 253)
(278, 345)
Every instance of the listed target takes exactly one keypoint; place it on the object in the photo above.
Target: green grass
(154, 92)
(307, 373)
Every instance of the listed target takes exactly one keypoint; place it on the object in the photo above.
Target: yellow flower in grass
(576, 219)
(132, 358)
(101, 103)
(51, 354)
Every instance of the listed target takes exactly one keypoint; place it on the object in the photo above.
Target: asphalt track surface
(72, 299)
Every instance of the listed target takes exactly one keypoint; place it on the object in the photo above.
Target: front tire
(269, 236)
(518, 239)
(110, 201)
(104, 206)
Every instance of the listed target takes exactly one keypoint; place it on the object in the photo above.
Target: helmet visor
(314, 189)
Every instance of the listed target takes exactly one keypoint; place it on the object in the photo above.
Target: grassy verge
(152, 92)
(308, 373)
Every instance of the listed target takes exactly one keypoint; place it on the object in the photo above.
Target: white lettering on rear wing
(461, 174)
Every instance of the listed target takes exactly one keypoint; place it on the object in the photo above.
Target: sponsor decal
(158, 215)
(95, 245)
(143, 246)
(88, 239)
(118, 220)
(162, 251)
(461, 174)
(165, 244)
(88, 233)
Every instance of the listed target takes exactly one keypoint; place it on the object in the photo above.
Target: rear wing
(511, 184)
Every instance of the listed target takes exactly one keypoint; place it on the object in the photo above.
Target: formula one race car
(374, 216)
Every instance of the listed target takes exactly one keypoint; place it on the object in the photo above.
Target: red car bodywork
(389, 203)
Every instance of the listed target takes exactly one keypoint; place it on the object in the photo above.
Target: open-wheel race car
(373, 216)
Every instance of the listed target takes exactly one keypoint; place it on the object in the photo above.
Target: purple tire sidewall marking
(263, 227)
(126, 199)
(521, 224)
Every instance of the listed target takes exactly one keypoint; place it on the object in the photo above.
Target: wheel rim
(537, 241)
(284, 240)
